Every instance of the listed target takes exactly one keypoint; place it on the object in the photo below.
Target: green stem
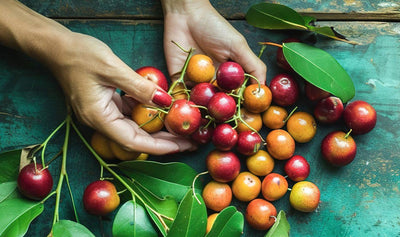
(262, 51)
(72, 198)
(290, 114)
(44, 144)
(238, 113)
(48, 196)
(348, 133)
(183, 72)
(63, 171)
(53, 158)
(112, 172)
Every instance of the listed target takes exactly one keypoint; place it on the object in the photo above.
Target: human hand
(89, 73)
(196, 24)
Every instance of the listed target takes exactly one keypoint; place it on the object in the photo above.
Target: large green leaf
(191, 220)
(16, 216)
(320, 69)
(7, 190)
(166, 206)
(274, 17)
(9, 163)
(131, 220)
(281, 227)
(229, 223)
(67, 228)
(162, 179)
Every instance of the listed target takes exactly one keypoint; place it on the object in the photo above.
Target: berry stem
(72, 198)
(238, 112)
(63, 171)
(348, 133)
(262, 51)
(118, 177)
(44, 144)
(291, 113)
(183, 72)
(270, 43)
(193, 183)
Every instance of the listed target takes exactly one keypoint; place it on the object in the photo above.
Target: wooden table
(361, 199)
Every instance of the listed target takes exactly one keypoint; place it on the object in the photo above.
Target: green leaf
(330, 32)
(67, 228)
(191, 220)
(308, 20)
(16, 216)
(281, 227)
(274, 17)
(320, 69)
(166, 206)
(7, 190)
(132, 220)
(162, 179)
(9, 163)
(229, 223)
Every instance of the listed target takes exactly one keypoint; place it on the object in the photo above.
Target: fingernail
(162, 98)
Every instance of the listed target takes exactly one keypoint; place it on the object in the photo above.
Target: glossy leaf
(191, 220)
(308, 20)
(331, 33)
(67, 228)
(274, 17)
(7, 190)
(320, 69)
(9, 163)
(132, 220)
(162, 179)
(166, 206)
(229, 223)
(16, 215)
(281, 227)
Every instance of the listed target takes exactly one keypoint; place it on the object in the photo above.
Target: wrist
(29, 32)
(182, 6)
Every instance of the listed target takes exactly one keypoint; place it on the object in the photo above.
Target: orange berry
(148, 119)
(246, 186)
(178, 92)
(251, 119)
(257, 98)
(301, 126)
(210, 221)
(274, 186)
(260, 163)
(200, 68)
(216, 195)
(280, 144)
(101, 145)
(274, 117)
(122, 154)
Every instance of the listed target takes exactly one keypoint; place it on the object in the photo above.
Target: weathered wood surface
(361, 199)
(331, 10)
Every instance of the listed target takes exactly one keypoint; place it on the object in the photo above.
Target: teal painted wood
(230, 9)
(361, 199)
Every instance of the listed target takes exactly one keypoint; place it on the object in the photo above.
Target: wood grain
(361, 199)
(151, 9)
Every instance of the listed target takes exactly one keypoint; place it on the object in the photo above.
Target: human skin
(89, 73)
(196, 24)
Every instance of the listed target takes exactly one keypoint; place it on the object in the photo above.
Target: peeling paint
(388, 4)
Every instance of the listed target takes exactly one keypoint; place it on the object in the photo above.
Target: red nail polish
(162, 98)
